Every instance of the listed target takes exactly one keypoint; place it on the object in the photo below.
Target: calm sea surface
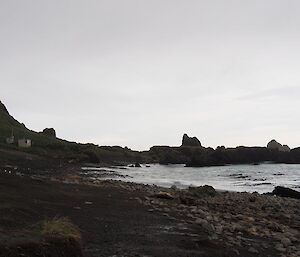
(261, 178)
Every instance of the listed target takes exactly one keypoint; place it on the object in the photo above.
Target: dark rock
(49, 132)
(186, 199)
(190, 141)
(137, 165)
(241, 155)
(206, 226)
(168, 155)
(286, 192)
(164, 195)
(202, 191)
(220, 148)
(273, 144)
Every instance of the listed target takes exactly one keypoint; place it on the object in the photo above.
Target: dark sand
(112, 222)
(119, 219)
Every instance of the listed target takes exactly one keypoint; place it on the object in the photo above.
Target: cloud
(282, 93)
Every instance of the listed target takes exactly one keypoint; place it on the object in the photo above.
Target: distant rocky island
(23, 147)
(193, 154)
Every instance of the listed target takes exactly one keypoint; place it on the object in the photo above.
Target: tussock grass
(59, 226)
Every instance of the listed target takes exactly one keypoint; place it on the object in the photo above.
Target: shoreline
(238, 179)
(243, 224)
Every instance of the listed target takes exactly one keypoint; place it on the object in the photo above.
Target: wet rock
(286, 192)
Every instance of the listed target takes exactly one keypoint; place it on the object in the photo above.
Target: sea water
(250, 178)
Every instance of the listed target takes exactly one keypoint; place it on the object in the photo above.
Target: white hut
(24, 143)
(10, 140)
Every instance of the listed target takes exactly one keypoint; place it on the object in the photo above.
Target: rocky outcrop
(201, 156)
(190, 141)
(49, 132)
(286, 148)
(286, 192)
(273, 144)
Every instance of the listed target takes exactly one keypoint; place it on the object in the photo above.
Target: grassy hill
(47, 150)
(58, 149)
(8, 123)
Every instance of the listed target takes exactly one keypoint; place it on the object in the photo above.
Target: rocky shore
(249, 224)
(257, 223)
(152, 221)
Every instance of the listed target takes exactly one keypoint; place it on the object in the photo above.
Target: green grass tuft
(59, 226)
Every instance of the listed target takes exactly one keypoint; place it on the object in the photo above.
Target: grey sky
(141, 73)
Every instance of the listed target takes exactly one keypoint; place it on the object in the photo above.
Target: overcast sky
(143, 72)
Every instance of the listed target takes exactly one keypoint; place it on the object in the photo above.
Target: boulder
(164, 195)
(49, 132)
(273, 144)
(190, 141)
(286, 192)
(205, 225)
(202, 191)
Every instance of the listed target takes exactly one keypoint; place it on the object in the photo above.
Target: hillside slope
(54, 148)
(61, 151)
(9, 124)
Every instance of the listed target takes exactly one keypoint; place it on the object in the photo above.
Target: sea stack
(190, 141)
